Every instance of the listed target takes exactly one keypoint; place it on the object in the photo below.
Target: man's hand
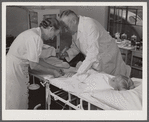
(63, 55)
(57, 73)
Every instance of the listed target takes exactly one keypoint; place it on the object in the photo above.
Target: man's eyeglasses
(64, 27)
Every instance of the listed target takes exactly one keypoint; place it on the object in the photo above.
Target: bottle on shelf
(137, 45)
(123, 36)
(134, 41)
(140, 47)
(117, 36)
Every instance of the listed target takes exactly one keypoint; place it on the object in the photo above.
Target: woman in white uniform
(24, 53)
(100, 49)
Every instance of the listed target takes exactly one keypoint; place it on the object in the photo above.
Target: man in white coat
(100, 50)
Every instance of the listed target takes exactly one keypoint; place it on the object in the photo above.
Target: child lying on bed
(121, 82)
(101, 81)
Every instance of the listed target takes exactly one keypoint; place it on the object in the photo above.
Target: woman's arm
(37, 67)
(45, 64)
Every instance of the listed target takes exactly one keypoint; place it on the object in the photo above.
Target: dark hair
(126, 82)
(52, 22)
(67, 13)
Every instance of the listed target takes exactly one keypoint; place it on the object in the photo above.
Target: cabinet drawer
(137, 53)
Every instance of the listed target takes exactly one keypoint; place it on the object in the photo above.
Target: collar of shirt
(39, 30)
(39, 33)
(80, 26)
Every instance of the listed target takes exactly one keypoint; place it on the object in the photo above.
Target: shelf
(137, 53)
(136, 57)
(138, 68)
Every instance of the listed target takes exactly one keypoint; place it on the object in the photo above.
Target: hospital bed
(99, 100)
(73, 100)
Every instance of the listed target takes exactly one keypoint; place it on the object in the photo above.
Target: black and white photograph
(74, 60)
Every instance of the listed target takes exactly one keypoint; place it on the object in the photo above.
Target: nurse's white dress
(26, 47)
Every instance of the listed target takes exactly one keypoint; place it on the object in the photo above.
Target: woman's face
(51, 33)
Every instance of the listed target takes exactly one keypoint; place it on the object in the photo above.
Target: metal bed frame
(73, 100)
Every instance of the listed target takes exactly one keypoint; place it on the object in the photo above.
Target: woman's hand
(61, 72)
(57, 73)
(63, 55)
(70, 74)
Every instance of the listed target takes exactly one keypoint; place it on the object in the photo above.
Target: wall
(100, 13)
(96, 12)
(44, 12)
(16, 20)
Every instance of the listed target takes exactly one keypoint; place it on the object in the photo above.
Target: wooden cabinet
(134, 59)
(126, 55)
(136, 63)
(127, 20)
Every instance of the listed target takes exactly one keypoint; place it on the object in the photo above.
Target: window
(125, 19)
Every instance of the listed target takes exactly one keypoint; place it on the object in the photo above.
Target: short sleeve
(34, 48)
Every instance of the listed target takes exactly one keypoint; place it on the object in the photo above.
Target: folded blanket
(47, 51)
(57, 62)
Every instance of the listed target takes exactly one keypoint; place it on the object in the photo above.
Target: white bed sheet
(106, 99)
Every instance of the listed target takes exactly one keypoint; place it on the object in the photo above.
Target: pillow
(122, 100)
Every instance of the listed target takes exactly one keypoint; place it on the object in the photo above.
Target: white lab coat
(26, 47)
(100, 49)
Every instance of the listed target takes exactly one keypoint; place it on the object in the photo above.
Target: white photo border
(75, 115)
